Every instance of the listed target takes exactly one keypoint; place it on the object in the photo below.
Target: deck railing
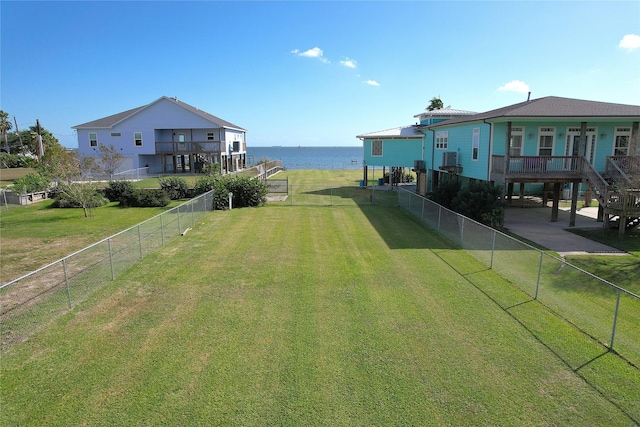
(188, 147)
(537, 165)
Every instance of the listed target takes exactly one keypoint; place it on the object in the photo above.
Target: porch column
(634, 143)
(507, 190)
(574, 203)
(365, 173)
(622, 225)
(582, 145)
(556, 202)
(522, 194)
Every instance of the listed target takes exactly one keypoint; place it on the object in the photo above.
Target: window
(181, 137)
(515, 143)
(442, 140)
(545, 141)
(210, 136)
(622, 137)
(475, 144)
(116, 134)
(137, 139)
(93, 139)
(376, 147)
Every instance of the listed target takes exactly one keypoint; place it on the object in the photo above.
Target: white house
(167, 136)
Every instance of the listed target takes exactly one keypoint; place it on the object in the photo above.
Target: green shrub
(17, 161)
(247, 191)
(117, 190)
(64, 200)
(176, 188)
(445, 192)
(145, 198)
(31, 183)
(480, 201)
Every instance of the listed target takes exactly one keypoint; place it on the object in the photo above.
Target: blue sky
(309, 73)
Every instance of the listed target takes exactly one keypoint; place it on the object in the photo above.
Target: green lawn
(36, 235)
(325, 315)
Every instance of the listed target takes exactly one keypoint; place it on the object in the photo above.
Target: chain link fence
(604, 311)
(321, 195)
(31, 301)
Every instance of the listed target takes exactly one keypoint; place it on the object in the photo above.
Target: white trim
(547, 131)
(621, 131)
(521, 132)
(135, 140)
(442, 140)
(475, 145)
(91, 140)
(378, 152)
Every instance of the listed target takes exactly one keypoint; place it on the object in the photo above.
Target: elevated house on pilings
(550, 146)
(167, 136)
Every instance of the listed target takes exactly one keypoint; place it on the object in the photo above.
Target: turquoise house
(404, 147)
(551, 146)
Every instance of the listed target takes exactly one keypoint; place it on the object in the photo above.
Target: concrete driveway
(534, 224)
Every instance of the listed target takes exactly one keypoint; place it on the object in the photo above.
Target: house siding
(161, 121)
(395, 152)
(460, 141)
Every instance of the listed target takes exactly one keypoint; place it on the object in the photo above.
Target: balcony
(536, 168)
(191, 147)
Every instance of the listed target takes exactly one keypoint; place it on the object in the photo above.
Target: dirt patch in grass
(20, 256)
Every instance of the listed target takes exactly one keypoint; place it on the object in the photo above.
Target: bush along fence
(607, 313)
(31, 301)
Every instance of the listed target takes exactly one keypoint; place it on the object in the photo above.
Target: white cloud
(349, 63)
(315, 52)
(515, 86)
(372, 83)
(630, 41)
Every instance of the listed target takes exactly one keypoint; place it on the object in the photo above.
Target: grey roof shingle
(110, 121)
(553, 106)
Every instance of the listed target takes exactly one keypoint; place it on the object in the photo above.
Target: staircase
(619, 193)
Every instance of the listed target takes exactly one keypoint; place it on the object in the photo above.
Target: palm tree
(435, 104)
(5, 126)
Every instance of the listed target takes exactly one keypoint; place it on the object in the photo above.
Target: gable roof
(403, 132)
(110, 121)
(553, 106)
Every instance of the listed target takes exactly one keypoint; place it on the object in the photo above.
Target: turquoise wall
(395, 152)
(605, 132)
(460, 141)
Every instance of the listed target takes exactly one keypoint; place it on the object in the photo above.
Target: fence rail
(606, 312)
(31, 301)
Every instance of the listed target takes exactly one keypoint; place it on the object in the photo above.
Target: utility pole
(40, 149)
(19, 137)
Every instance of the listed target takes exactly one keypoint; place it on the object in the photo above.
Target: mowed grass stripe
(295, 316)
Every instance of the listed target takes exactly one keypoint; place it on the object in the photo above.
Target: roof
(445, 112)
(553, 106)
(410, 131)
(110, 121)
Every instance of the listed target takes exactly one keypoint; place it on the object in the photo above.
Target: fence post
(493, 248)
(422, 214)
(193, 221)
(66, 280)
(113, 273)
(462, 233)
(615, 320)
(439, 215)
(140, 241)
(331, 196)
(539, 274)
(179, 228)
(161, 230)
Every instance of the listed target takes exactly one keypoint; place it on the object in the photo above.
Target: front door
(572, 145)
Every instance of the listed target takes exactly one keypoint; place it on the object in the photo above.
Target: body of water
(308, 157)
